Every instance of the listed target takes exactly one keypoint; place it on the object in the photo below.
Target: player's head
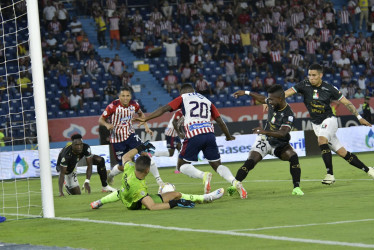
(125, 95)
(187, 88)
(77, 143)
(276, 96)
(142, 164)
(315, 73)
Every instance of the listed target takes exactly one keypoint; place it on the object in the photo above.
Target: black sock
(101, 170)
(295, 170)
(327, 157)
(354, 161)
(243, 171)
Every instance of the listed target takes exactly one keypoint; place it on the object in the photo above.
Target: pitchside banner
(357, 139)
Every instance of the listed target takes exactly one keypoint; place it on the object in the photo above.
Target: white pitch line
(251, 235)
(304, 225)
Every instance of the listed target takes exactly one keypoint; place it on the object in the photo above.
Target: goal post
(40, 108)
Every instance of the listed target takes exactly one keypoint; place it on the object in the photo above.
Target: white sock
(191, 171)
(115, 171)
(155, 173)
(161, 153)
(225, 173)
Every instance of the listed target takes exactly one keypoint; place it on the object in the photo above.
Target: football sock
(112, 197)
(193, 197)
(327, 157)
(354, 161)
(115, 171)
(155, 173)
(161, 153)
(295, 170)
(101, 170)
(225, 173)
(244, 170)
(191, 171)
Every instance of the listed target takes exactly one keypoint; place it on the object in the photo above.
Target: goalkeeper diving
(134, 191)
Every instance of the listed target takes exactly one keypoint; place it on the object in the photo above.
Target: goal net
(25, 175)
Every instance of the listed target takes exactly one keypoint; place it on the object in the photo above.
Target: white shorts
(262, 146)
(328, 129)
(71, 180)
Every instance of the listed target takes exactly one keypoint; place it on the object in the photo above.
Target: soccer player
(123, 137)
(67, 162)
(318, 95)
(134, 191)
(275, 138)
(199, 130)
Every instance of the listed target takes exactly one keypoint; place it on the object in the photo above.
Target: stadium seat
(290, 99)
(299, 98)
(218, 104)
(238, 103)
(229, 103)
(248, 102)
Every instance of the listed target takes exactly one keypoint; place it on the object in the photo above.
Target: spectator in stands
(71, 48)
(111, 7)
(362, 82)
(182, 12)
(351, 90)
(366, 109)
(243, 79)
(276, 59)
(358, 94)
(311, 49)
(100, 28)
(249, 61)
(336, 53)
(364, 14)
(171, 53)
(269, 81)
(171, 82)
(152, 51)
(167, 9)
(261, 63)
(92, 67)
(62, 16)
(257, 84)
(126, 80)
(105, 62)
(62, 80)
(344, 90)
(344, 16)
(110, 92)
(231, 76)
(75, 100)
(24, 82)
(116, 68)
(89, 93)
(137, 47)
(64, 101)
(202, 86)
(346, 74)
(85, 47)
(195, 60)
(55, 28)
(184, 50)
(114, 30)
(343, 61)
(49, 12)
(75, 26)
(220, 85)
(75, 79)
(3, 87)
(51, 42)
(245, 38)
(186, 71)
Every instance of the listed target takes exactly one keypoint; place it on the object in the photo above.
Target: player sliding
(274, 138)
(67, 162)
(199, 136)
(318, 95)
(134, 192)
(123, 137)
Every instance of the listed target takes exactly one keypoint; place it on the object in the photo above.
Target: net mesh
(20, 194)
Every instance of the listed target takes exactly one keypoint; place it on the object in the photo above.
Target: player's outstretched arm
(258, 97)
(289, 92)
(158, 112)
(147, 129)
(281, 133)
(177, 129)
(224, 129)
(102, 122)
(354, 111)
(151, 205)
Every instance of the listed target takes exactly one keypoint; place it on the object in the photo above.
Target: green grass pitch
(326, 217)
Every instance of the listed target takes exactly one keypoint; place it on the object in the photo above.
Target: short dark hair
(316, 66)
(76, 136)
(125, 88)
(142, 163)
(276, 89)
(187, 86)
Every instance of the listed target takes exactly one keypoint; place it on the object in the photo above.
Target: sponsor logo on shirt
(199, 126)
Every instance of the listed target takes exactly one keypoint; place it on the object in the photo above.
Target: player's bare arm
(178, 130)
(146, 127)
(281, 133)
(86, 184)
(354, 111)
(289, 92)
(158, 112)
(258, 97)
(151, 205)
(224, 129)
(102, 122)
(61, 180)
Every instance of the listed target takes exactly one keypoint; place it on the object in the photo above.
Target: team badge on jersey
(315, 94)
(290, 118)
(273, 119)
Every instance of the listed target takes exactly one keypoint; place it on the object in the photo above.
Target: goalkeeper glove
(146, 147)
(181, 203)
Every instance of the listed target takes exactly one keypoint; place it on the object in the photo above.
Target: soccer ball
(166, 188)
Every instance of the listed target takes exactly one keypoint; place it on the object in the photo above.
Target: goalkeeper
(134, 192)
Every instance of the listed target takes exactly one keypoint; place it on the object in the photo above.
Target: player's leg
(169, 146)
(119, 150)
(249, 164)
(350, 157)
(288, 154)
(101, 170)
(324, 132)
(72, 184)
(112, 197)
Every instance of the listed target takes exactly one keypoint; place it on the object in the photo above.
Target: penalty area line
(220, 232)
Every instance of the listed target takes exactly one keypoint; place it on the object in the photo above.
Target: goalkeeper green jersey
(132, 190)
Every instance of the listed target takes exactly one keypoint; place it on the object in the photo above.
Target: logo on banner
(369, 139)
(20, 166)
(74, 129)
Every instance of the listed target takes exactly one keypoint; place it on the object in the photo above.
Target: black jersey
(276, 120)
(317, 99)
(68, 159)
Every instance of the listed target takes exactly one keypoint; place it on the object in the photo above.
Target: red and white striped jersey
(91, 65)
(114, 23)
(170, 131)
(325, 35)
(121, 118)
(85, 45)
(198, 111)
(183, 9)
(275, 56)
(344, 17)
(311, 47)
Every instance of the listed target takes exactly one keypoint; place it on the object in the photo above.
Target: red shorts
(114, 34)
